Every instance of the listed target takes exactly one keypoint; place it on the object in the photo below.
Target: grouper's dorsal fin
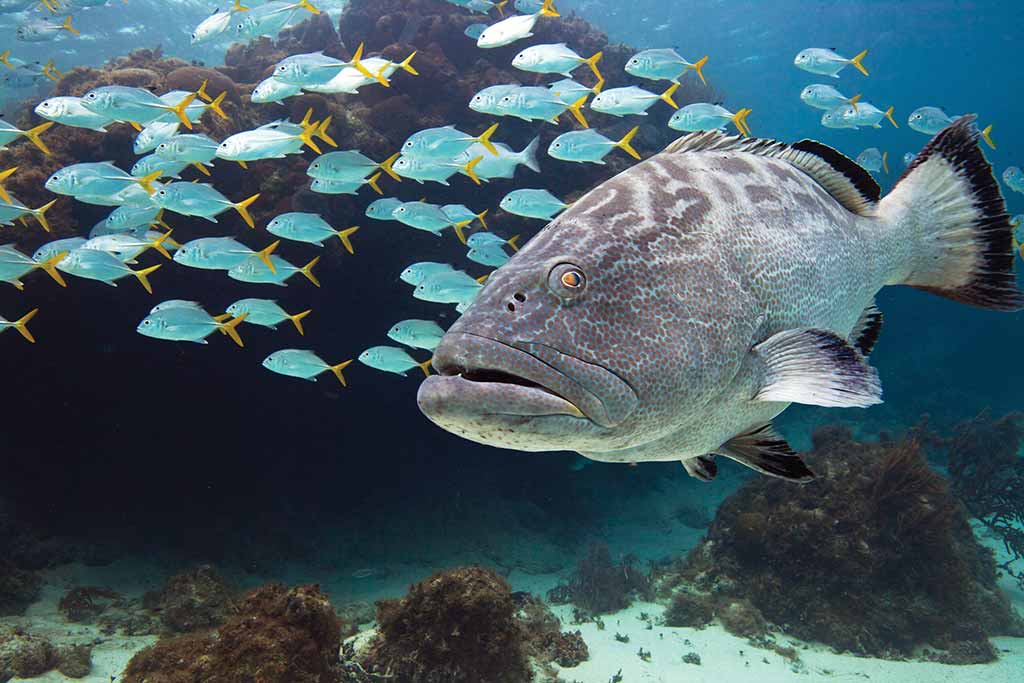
(840, 176)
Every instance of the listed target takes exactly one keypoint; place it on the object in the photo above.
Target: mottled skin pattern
(690, 260)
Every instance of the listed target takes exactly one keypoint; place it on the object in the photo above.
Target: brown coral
(196, 599)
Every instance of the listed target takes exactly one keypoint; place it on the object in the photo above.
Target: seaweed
(598, 586)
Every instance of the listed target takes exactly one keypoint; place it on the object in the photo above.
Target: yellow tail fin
(485, 140)
(307, 5)
(136, 125)
(739, 119)
(180, 107)
(500, 6)
(548, 9)
(69, 28)
(459, 232)
(858, 62)
(372, 182)
(480, 217)
(34, 133)
(297, 320)
(242, 208)
(158, 244)
(40, 214)
(885, 162)
(624, 145)
(51, 72)
(307, 135)
(305, 119)
(666, 96)
(201, 92)
(21, 325)
(239, 7)
(854, 100)
(576, 109)
(699, 68)
(147, 181)
(3, 59)
(264, 255)
(221, 318)
(199, 167)
(230, 328)
(50, 266)
(425, 365)
(406, 65)
(512, 242)
(469, 169)
(592, 63)
(215, 105)
(598, 86)
(986, 135)
(321, 132)
(143, 276)
(358, 64)
(336, 369)
(344, 235)
(307, 270)
(387, 163)
(4, 175)
(888, 115)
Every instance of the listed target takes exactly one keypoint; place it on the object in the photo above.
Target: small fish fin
(69, 28)
(309, 131)
(406, 65)
(666, 96)
(50, 266)
(143, 276)
(698, 66)
(888, 115)
(358, 64)
(136, 125)
(306, 117)
(529, 155)
(858, 62)
(372, 182)
(548, 9)
(40, 214)
(468, 169)
(885, 162)
(460, 232)
(307, 5)
(180, 107)
(598, 87)
(264, 255)
(238, 7)
(344, 235)
(243, 164)
(625, 146)
(815, 367)
(336, 369)
(854, 100)
(34, 133)
(986, 135)
(844, 179)
(215, 105)
(386, 166)
(702, 468)
(764, 451)
(949, 202)
(511, 242)
(21, 325)
(500, 6)
(483, 278)
(576, 109)
(221, 318)
(202, 169)
(480, 217)
(485, 140)
(425, 366)
(242, 208)
(739, 119)
(297, 320)
(4, 59)
(147, 181)
(592, 63)
(4, 175)
(201, 92)
(321, 132)
(158, 244)
(867, 329)
(307, 270)
(230, 328)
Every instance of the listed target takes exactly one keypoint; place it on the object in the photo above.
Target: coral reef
(196, 599)
(19, 588)
(74, 661)
(84, 604)
(875, 557)
(26, 655)
(598, 586)
(277, 635)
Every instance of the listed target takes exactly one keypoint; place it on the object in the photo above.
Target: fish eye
(147, 322)
(567, 280)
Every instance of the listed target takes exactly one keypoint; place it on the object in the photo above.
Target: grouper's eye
(567, 281)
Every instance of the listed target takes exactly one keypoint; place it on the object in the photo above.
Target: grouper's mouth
(479, 376)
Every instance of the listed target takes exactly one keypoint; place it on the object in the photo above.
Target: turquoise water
(130, 460)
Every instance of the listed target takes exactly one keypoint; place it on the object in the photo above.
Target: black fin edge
(775, 457)
(843, 164)
(994, 285)
(869, 328)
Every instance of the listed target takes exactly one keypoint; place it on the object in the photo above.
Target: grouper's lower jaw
(501, 414)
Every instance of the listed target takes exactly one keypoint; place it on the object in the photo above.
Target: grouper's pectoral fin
(815, 367)
(764, 451)
(703, 467)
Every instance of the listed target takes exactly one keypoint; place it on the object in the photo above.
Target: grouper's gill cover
(676, 309)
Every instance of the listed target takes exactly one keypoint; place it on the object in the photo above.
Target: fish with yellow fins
(303, 364)
(188, 323)
(825, 62)
(21, 325)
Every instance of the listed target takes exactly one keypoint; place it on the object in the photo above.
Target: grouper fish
(673, 311)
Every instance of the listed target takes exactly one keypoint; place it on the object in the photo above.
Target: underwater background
(172, 479)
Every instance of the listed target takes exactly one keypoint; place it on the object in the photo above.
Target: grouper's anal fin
(703, 467)
(764, 451)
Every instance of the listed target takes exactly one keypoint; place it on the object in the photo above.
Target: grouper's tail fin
(948, 203)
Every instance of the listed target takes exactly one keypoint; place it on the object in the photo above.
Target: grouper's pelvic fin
(764, 451)
(948, 202)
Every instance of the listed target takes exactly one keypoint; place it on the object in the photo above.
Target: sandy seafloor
(629, 528)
